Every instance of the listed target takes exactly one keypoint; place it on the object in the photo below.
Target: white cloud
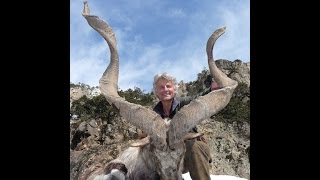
(176, 13)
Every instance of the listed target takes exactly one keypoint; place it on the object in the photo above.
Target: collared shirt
(175, 106)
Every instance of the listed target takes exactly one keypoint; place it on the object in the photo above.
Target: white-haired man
(197, 157)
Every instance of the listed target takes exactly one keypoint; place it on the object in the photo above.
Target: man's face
(165, 90)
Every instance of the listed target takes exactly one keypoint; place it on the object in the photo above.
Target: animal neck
(169, 163)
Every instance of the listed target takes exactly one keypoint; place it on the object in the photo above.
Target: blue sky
(155, 36)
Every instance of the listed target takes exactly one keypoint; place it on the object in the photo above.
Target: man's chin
(167, 98)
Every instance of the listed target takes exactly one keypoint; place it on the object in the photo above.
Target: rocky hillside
(237, 70)
(94, 140)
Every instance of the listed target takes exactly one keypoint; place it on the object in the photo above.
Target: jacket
(177, 104)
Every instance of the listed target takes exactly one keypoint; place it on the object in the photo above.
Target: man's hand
(214, 86)
(142, 135)
(201, 138)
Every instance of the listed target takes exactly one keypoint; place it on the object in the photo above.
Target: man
(197, 157)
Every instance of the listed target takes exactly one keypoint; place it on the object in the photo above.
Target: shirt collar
(159, 108)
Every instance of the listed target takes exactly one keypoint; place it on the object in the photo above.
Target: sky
(156, 36)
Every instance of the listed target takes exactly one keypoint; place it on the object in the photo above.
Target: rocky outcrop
(236, 69)
(77, 91)
(229, 146)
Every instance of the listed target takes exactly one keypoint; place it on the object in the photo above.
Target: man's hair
(164, 76)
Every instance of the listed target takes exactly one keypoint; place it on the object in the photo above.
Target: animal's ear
(189, 136)
(142, 142)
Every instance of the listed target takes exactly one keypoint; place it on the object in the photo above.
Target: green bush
(137, 96)
(238, 108)
(97, 107)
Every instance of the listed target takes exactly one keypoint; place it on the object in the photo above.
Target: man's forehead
(163, 81)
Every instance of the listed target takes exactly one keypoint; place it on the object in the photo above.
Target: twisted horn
(141, 117)
(205, 106)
